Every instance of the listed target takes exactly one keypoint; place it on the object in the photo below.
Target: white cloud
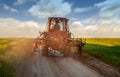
(73, 19)
(13, 10)
(90, 21)
(10, 27)
(109, 5)
(77, 28)
(77, 24)
(85, 9)
(9, 8)
(105, 24)
(97, 30)
(47, 8)
(20, 2)
(109, 9)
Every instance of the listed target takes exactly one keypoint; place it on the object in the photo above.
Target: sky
(87, 18)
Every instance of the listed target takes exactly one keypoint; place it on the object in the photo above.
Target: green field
(107, 49)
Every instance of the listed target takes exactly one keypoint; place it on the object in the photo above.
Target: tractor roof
(58, 18)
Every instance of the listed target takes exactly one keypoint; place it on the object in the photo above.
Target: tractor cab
(57, 24)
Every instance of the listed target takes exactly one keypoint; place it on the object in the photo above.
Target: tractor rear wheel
(45, 51)
(67, 52)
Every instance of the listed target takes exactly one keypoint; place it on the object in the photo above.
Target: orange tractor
(57, 37)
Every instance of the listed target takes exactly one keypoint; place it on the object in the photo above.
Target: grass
(7, 68)
(4, 45)
(12, 52)
(107, 49)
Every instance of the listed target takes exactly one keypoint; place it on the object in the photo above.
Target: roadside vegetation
(7, 68)
(107, 49)
(12, 52)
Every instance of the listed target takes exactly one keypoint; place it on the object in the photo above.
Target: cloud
(10, 27)
(105, 24)
(109, 17)
(20, 2)
(47, 8)
(77, 24)
(90, 21)
(109, 5)
(109, 8)
(97, 30)
(73, 19)
(9, 8)
(85, 9)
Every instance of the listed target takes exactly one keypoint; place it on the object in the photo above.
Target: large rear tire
(67, 52)
(45, 51)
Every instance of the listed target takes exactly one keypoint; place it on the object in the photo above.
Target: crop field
(7, 69)
(4, 45)
(107, 49)
(12, 50)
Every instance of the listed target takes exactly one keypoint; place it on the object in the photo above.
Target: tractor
(57, 36)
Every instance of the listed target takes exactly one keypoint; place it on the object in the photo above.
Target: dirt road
(39, 66)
